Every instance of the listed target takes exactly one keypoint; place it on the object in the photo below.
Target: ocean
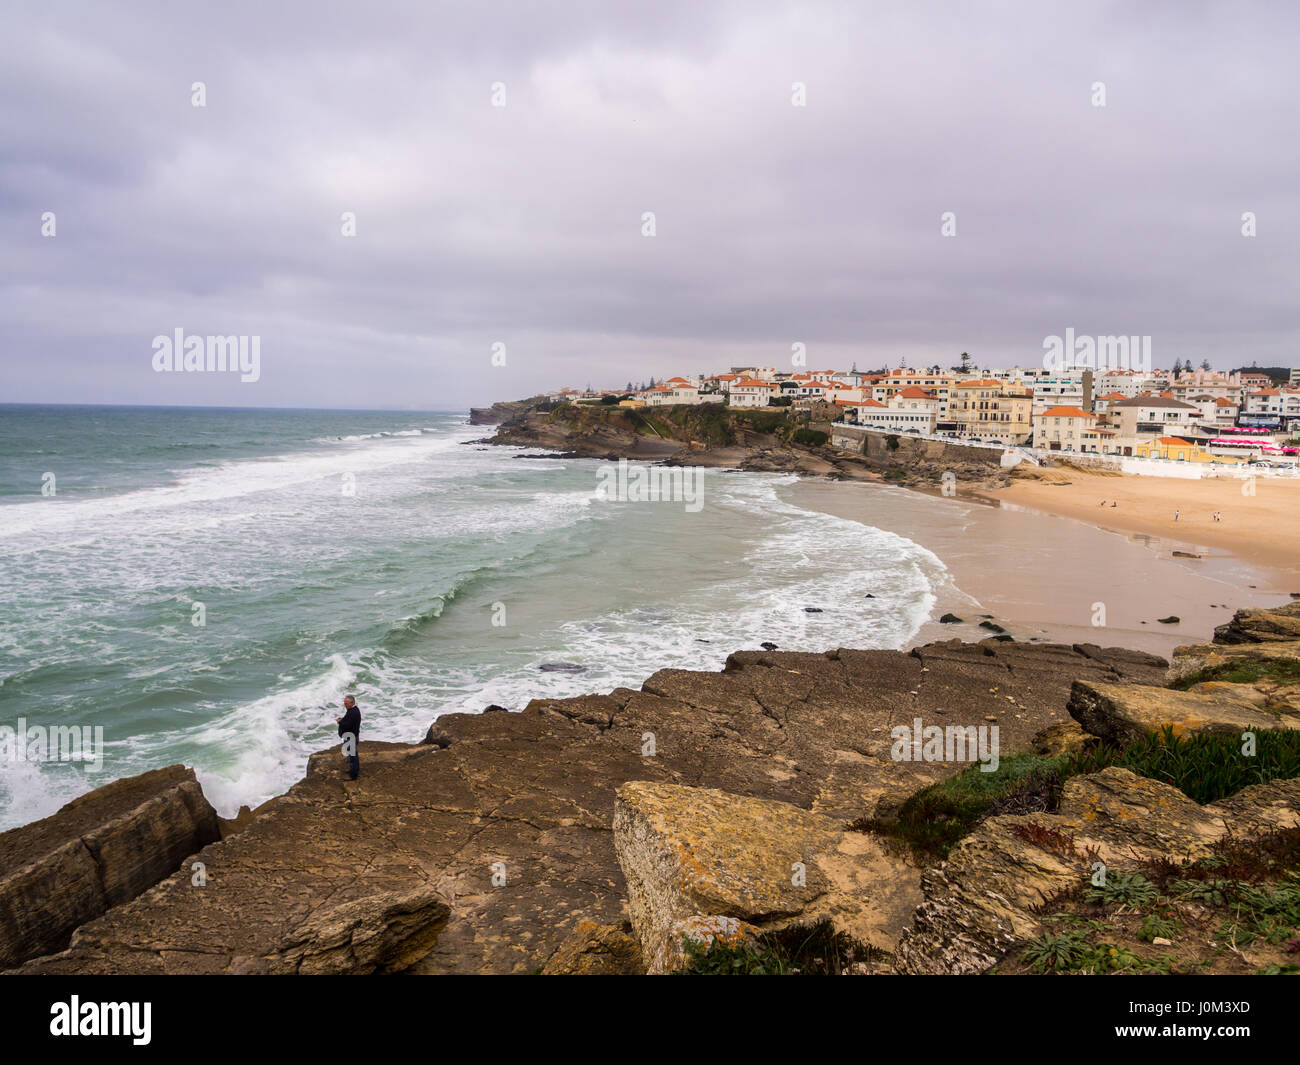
(207, 584)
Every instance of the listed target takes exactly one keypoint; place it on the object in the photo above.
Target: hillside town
(1183, 415)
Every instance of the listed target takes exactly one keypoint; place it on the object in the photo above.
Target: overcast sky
(523, 225)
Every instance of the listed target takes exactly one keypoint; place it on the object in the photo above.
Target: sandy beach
(1263, 528)
(1044, 575)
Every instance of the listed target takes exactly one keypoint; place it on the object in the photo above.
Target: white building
(1128, 383)
(1275, 402)
(1154, 416)
(668, 395)
(870, 416)
(750, 392)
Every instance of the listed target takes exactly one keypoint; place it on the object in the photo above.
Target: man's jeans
(351, 752)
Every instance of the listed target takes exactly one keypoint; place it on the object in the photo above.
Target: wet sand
(1052, 577)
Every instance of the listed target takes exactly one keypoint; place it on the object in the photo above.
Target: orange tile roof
(1065, 412)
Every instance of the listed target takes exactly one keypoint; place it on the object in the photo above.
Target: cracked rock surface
(505, 818)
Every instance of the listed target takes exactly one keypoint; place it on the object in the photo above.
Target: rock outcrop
(671, 435)
(985, 899)
(1261, 626)
(507, 816)
(693, 853)
(1191, 659)
(382, 933)
(97, 852)
(597, 950)
(1123, 713)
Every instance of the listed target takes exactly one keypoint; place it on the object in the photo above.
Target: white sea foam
(431, 520)
(230, 480)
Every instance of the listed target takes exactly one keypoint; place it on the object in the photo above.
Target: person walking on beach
(350, 732)
(1175, 515)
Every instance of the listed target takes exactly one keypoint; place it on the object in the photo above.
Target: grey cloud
(521, 224)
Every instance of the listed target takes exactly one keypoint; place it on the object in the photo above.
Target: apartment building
(1145, 416)
(987, 409)
(1062, 429)
(939, 385)
(1206, 383)
(1129, 383)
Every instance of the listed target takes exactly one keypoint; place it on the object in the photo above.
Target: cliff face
(760, 440)
(596, 834)
(482, 848)
(498, 412)
(99, 851)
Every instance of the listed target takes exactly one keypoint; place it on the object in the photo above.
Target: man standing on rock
(350, 732)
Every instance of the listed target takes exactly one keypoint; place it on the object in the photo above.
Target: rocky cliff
(489, 842)
(752, 440)
(99, 851)
(605, 833)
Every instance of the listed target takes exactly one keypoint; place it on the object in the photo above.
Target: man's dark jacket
(351, 722)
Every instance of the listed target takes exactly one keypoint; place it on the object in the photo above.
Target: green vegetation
(1242, 897)
(1205, 768)
(891, 442)
(760, 419)
(711, 424)
(934, 818)
(1123, 889)
(800, 950)
(1245, 671)
(811, 437)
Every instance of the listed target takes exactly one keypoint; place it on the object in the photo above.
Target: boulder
(382, 933)
(97, 852)
(1124, 713)
(594, 949)
(698, 852)
(1066, 738)
(1261, 626)
(1195, 658)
